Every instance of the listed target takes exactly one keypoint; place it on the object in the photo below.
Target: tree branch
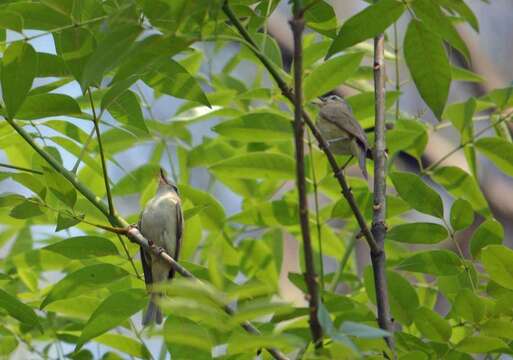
(19, 168)
(379, 228)
(96, 122)
(297, 25)
(121, 226)
(323, 145)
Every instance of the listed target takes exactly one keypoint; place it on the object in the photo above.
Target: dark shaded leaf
(366, 24)
(427, 60)
(19, 67)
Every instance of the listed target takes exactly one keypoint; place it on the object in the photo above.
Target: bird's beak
(162, 177)
(317, 102)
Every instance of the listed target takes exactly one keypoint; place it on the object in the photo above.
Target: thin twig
(14, 167)
(96, 122)
(83, 151)
(343, 262)
(297, 25)
(317, 211)
(129, 257)
(323, 145)
(122, 225)
(379, 229)
(397, 79)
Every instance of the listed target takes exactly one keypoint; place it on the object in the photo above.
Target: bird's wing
(334, 112)
(146, 265)
(179, 235)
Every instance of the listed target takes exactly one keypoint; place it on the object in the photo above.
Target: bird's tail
(361, 162)
(153, 314)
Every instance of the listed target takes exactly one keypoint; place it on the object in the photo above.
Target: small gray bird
(341, 130)
(161, 223)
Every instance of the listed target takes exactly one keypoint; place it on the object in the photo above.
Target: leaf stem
(96, 122)
(14, 167)
(436, 164)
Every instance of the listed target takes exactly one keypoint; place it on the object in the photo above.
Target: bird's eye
(175, 188)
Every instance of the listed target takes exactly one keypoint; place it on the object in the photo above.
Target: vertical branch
(297, 24)
(378, 221)
(317, 214)
(102, 156)
(397, 78)
(323, 144)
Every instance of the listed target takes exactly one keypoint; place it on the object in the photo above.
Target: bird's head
(331, 99)
(164, 183)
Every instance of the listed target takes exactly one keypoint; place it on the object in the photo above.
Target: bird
(343, 133)
(162, 223)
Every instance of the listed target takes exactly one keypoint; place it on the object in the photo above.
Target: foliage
(113, 61)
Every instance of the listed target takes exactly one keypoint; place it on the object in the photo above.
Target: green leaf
(461, 115)
(461, 185)
(19, 67)
(65, 221)
(490, 232)
(409, 136)
(499, 151)
(469, 306)
(60, 186)
(84, 247)
(427, 60)
(151, 49)
(461, 74)
(137, 179)
(109, 53)
(11, 20)
(49, 65)
(114, 311)
(257, 127)
(432, 325)
(362, 331)
(463, 9)
(498, 328)
(435, 20)
(18, 310)
(46, 105)
(257, 165)
(418, 233)
(322, 18)
(75, 46)
(127, 110)
(89, 278)
(38, 16)
(418, 194)
(124, 344)
(244, 343)
(403, 297)
(169, 77)
(186, 339)
(462, 215)
(25, 210)
(368, 23)
(330, 74)
(254, 309)
(480, 344)
(498, 262)
(435, 262)
(212, 216)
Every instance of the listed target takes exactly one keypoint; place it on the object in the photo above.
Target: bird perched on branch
(341, 130)
(162, 224)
